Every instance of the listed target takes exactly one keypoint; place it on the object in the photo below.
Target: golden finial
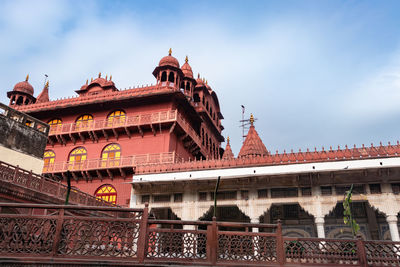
(186, 59)
(227, 140)
(91, 79)
(170, 52)
(206, 82)
(110, 77)
(251, 119)
(99, 74)
(198, 75)
(27, 78)
(87, 81)
(46, 85)
(106, 77)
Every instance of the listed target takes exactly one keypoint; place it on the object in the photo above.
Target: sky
(313, 73)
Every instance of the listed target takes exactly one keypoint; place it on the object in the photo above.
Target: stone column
(394, 230)
(255, 220)
(319, 222)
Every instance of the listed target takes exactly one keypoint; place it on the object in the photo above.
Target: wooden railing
(122, 162)
(128, 121)
(42, 185)
(54, 234)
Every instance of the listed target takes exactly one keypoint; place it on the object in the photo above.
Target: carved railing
(40, 184)
(122, 162)
(56, 234)
(128, 121)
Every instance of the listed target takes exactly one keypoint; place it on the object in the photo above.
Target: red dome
(169, 61)
(24, 87)
(187, 70)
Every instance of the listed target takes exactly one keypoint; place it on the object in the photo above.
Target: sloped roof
(253, 146)
(228, 154)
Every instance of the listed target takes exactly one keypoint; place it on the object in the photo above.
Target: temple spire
(44, 95)
(170, 52)
(253, 145)
(27, 78)
(228, 154)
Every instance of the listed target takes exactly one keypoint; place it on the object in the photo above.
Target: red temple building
(104, 133)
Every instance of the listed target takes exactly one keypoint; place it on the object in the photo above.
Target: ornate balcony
(108, 167)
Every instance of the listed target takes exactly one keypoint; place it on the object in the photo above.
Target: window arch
(54, 124)
(107, 192)
(83, 121)
(77, 157)
(171, 77)
(163, 76)
(48, 157)
(116, 117)
(111, 155)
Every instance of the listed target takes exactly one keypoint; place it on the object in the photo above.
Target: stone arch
(295, 232)
(228, 213)
(372, 221)
(163, 76)
(294, 219)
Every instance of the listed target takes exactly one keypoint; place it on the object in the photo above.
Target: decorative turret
(168, 72)
(188, 83)
(96, 86)
(22, 94)
(228, 154)
(253, 146)
(44, 95)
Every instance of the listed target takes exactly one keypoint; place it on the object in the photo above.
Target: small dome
(186, 69)
(199, 82)
(24, 87)
(169, 60)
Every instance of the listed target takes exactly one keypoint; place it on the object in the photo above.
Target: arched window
(116, 118)
(77, 157)
(83, 122)
(171, 77)
(107, 192)
(54, 124)
(111, 155)
(164, 76)
(48, 157)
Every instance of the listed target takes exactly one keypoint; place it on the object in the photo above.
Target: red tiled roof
(253, 146)
(228, 154)
(284, 158)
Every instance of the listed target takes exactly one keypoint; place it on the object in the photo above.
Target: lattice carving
(382, 253)
(321, 252)
(179, 245)
(233, 247)
(99, 238)
(27, 235)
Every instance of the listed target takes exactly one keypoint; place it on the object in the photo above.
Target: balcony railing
(122, 162)
(56, 234)
(39, 184)
(128, 121)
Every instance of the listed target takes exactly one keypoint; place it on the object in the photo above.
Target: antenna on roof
(245, 123)
(45, 80)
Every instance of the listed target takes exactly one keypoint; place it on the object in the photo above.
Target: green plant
(347, 214)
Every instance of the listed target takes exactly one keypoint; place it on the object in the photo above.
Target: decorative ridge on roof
(87, 99)
(253, 145)
(228, 154)
(279, 159)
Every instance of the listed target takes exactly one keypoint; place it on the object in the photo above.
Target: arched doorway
(226, 214)
(296, 222)
(372, 223)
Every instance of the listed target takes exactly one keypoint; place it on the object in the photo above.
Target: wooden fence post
(362, 255)
(57, 237)
(212, 242)
(280, 249)
(142, 239)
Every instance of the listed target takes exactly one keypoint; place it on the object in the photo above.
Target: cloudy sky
(314, 73)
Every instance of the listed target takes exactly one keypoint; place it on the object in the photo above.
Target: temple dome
(169, 61)
(186, 69)
(24, 87)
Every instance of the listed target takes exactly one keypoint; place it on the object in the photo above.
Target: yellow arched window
(111, 155)
(107, 192)
(77, 157)
(116, 118)
(48, 157)
(84, 122)
(54, 124)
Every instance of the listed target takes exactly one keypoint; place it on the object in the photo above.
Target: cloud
(294, 72)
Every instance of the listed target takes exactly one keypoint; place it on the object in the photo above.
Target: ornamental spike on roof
(228, 154)
(253, 146)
